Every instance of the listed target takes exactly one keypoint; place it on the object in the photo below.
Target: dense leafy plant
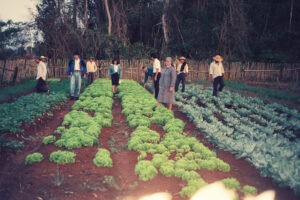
(231, 183)
(34, 157)
(102, 158)
(49, 139)
(146, 170)
(247, 190)
(192, 187)
(62, 157)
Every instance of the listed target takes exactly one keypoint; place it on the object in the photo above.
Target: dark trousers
(180, 78)
(156, 84)
(41, 85)
(218, 81)
(91, 77)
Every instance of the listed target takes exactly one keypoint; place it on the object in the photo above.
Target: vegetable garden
(106, 147)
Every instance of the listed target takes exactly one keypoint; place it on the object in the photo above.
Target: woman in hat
(91, 70)
(216, 73)
(115, 74)
(182, 69)
(166, 84)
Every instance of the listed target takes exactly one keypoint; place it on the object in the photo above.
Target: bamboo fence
(15, 70)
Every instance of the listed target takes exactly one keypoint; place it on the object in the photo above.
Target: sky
(17, 10)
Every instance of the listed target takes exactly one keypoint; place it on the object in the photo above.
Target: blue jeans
(75, 84)
(218, 81)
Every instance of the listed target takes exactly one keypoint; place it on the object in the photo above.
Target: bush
(35, 157)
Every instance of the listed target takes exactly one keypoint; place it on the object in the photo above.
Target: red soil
(83, 180)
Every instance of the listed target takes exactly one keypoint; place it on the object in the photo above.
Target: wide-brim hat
(43, 57)
(218, 58)
(182, 58)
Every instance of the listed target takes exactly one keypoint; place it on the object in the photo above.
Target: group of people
(166, 80)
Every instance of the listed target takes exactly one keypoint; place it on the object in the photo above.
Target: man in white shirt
(91, 70)
(156, 73)
(216, 73)
(41, 76)
(182, 69)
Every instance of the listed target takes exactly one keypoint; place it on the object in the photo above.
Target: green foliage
(174, 125)
(249, 190)
(62, 157)
(159, 159)
(146, 170)
(103, 159)
(167, 168)
(231, 183)
(25, 109)
(35, 157)
(193, 186)
(141, 138)
(10, 143)
(49, 139)
(162, 115)
(190, 175)
(138, 120)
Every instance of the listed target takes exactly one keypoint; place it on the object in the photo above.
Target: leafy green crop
(231, 183)
(102, 158)
(49, 139)
(35, 157)
(247, 189)
(167, 168)
(62, 157)
(145, 170)
(192, 187)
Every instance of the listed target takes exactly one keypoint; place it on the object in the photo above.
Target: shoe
(71, 97)
(76, 98)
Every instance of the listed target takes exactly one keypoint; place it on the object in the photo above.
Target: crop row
(29, 107)
(82, 126)
(267, 135)
(173, 154)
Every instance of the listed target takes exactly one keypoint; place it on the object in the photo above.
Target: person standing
(41, 76)
(115, 74)
(44, 60)
(166, 84)
(76, 70)
(156, 73)
(148, 72)
(182, 70)
(216, 74)
(91, 70)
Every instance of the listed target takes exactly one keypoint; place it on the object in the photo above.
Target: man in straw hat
(182, 69)
(216, 73)
(91, 70)
(41, 75)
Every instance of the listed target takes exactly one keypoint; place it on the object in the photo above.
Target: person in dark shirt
(148, 72)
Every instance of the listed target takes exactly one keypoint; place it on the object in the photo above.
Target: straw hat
(182, 58)
(218, 58)
(42, 57)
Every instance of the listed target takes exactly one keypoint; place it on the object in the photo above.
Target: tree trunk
(75, 3)
(164, 22)
(291, 15)
(85, 16)
(108, 16)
